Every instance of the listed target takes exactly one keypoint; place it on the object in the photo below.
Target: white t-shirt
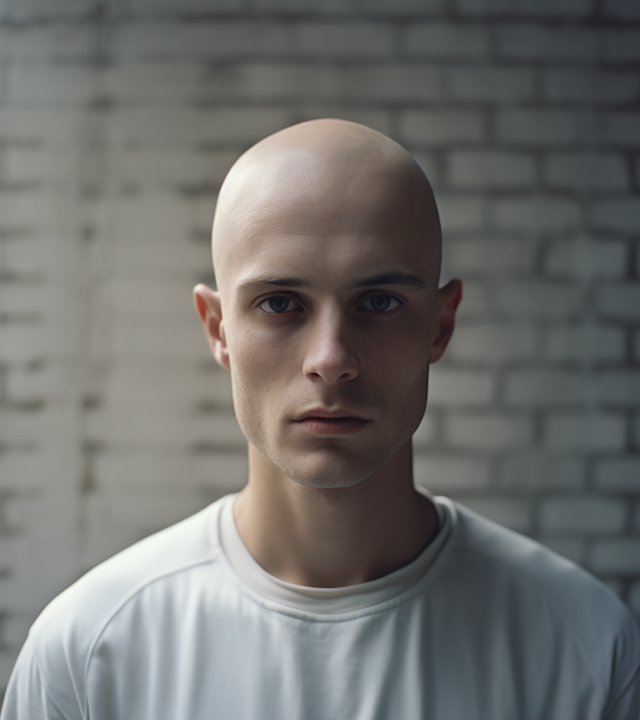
(185, 625)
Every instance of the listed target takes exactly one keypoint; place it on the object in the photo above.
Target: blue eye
(278, 304)
(381, 303)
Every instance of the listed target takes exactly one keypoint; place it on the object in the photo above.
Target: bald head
(320, 178)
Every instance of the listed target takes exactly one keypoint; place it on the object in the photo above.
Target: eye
(278, 304)
(380, 303)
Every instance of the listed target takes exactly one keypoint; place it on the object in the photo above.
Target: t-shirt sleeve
(27, 696)
(624, 697)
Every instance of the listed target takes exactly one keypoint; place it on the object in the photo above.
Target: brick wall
(118, 121)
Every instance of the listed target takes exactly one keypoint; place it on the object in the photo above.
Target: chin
(318, 471)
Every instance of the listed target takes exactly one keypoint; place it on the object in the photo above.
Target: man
(330, 587)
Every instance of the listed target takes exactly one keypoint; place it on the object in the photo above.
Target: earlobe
(209, 310)
(449, 298)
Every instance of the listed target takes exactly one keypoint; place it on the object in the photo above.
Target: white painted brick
(622, 45)
(429, 165)
(441, 127)
(492, 342)
(59, 126)
(636, 519)
(537, 128)
(573, 550)
(220, 38)
(54, 10)
(488, 431)
(36, 210)
(155, 337)
(512, 513)
(584, 343)
(448, 41)
(186, 6)
(450, 473)
(21, 343)
(164, 83)
(460, 213)
(622, 473)
(536, 470)
(490, 83)
(15, 629)
(167, 387)
(168, 257)
(33, 257)
(532, 42)
(585, 85)
(592, 432)
(391, 81)
(619, 300)
(339, 7)
(157, 217)
(526, 8)
(270, 82)
(52, 83)
(619, 387)
(624, 9)
(490, 257)
(27, 386)
(133, 299)
(129, 427)
(536, 213)
(616, 556)
(376, 119)
(24, 298)
(23, 471)
(475, 302)
(582, 171)
(546, 388)
(452, 388)
(620, 129)
(345, 40)
(582, 514)
(425, 435)
(616, 215)
(491, 170)
(7, 661)
(166, 469)
(401, 7)
(18, 426)
(41, 163)
(186, 127)
(53, 42)
(537, 299)
(584, 258)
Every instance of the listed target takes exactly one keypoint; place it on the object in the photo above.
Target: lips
(319, 421)
(325, 414)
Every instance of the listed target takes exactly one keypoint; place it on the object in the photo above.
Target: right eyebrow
(272, 281)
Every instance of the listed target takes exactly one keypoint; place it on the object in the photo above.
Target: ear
(448, 300)
(209, 309)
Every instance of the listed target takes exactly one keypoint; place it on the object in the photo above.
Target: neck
(333, 537)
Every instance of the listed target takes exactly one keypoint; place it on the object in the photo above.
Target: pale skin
(326, 245)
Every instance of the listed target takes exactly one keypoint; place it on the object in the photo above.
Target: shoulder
(61, 639)
(551, 602)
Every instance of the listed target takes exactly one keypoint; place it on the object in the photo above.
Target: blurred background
(118, 121)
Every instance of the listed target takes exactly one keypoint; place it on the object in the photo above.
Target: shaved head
(330, 172)
(326, 246)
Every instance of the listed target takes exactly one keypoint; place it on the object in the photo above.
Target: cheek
(257, 367)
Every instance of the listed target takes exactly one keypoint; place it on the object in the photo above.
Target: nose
(328, 355)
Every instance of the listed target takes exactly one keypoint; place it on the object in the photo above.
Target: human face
(327, 328)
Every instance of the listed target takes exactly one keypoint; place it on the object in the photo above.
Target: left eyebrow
(392, 278)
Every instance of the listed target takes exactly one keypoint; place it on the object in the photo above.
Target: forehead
(312, 214)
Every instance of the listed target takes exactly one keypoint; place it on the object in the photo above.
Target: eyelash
(367, 299)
